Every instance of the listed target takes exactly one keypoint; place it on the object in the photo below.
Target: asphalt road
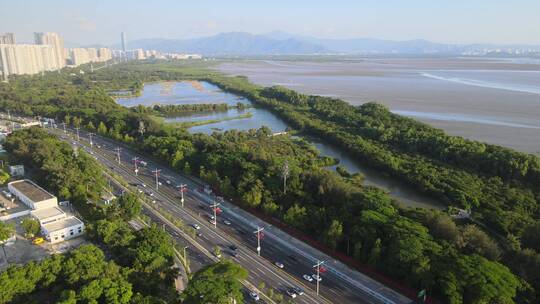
(335, 287)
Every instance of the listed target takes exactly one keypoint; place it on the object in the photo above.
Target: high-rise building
(27, 59)
(7, 38)
(80, 56)
(54, 40)
(105, 54)
(123, 40)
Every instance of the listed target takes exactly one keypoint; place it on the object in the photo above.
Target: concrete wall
(14, 215)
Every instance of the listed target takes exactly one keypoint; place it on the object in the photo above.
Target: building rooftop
(31, 190)
(45, 213)
(61, 224)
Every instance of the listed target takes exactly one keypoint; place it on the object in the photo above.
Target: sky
(448, 21)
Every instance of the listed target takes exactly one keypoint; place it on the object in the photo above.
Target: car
(299, 291)
(234, 253)
(279, 265)
(38, 241)
(195, 226)
(168, 182)
(211, 217)
(140, 191)
(316, 277)
(254, 296)
(213, 222)
(307, 277)
(159, 183)
(233, 247)
(151, 194)
(199, 234)
(143, 184)
(227, 222)
(291, 293)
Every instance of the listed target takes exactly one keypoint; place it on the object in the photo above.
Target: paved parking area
(21, 251)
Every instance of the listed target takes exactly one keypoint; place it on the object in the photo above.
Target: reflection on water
(259, 118)
(203, 92)
(395, 188)
(184, 92)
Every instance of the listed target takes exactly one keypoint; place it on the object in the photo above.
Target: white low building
(48, 215)
(63, 229)
(32, 195)
(56, 225)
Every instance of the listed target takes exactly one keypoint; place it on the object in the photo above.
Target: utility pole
(182, 188)
(259, 236)
(78, 138)
(318, 266)
(118, 154)
(156, 172)
(136, 162)
(214, 207)
(91, 142)
(285, 174)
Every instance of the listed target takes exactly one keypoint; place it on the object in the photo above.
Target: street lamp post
(78, 137)
(318, 266)
(182, 188)
(214, 207)
(64, 125)
(156, 172)
(259, 235)
(118, 154)
(135, 163)
(91, 142)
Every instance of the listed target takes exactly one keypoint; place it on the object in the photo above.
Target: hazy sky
(455, 21)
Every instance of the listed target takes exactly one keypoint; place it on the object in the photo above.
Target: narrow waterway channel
(204, 93)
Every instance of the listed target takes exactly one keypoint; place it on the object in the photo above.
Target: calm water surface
(485, 99)
(201, 93)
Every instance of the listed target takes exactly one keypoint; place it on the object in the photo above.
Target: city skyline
(451, 22)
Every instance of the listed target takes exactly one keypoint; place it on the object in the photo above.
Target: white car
(279, 265)
(254, 296)
(291, 293)
(195, 226)
(307, 277)
(316, 277)
(213, 222)
(168, 182)
(227, 222)
(144, 185)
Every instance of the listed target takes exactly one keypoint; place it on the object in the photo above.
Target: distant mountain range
(282, 43)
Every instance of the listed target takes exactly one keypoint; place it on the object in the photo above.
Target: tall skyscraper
(7, 38)
(56, 42)
(123, 39)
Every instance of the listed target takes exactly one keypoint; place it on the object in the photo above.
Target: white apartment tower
(55, 41)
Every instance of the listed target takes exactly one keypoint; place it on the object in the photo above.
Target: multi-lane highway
(235, 228)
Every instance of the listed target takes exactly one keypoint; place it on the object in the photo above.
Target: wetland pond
(194, 92)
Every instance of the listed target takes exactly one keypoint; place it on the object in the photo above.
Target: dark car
(233, 247)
